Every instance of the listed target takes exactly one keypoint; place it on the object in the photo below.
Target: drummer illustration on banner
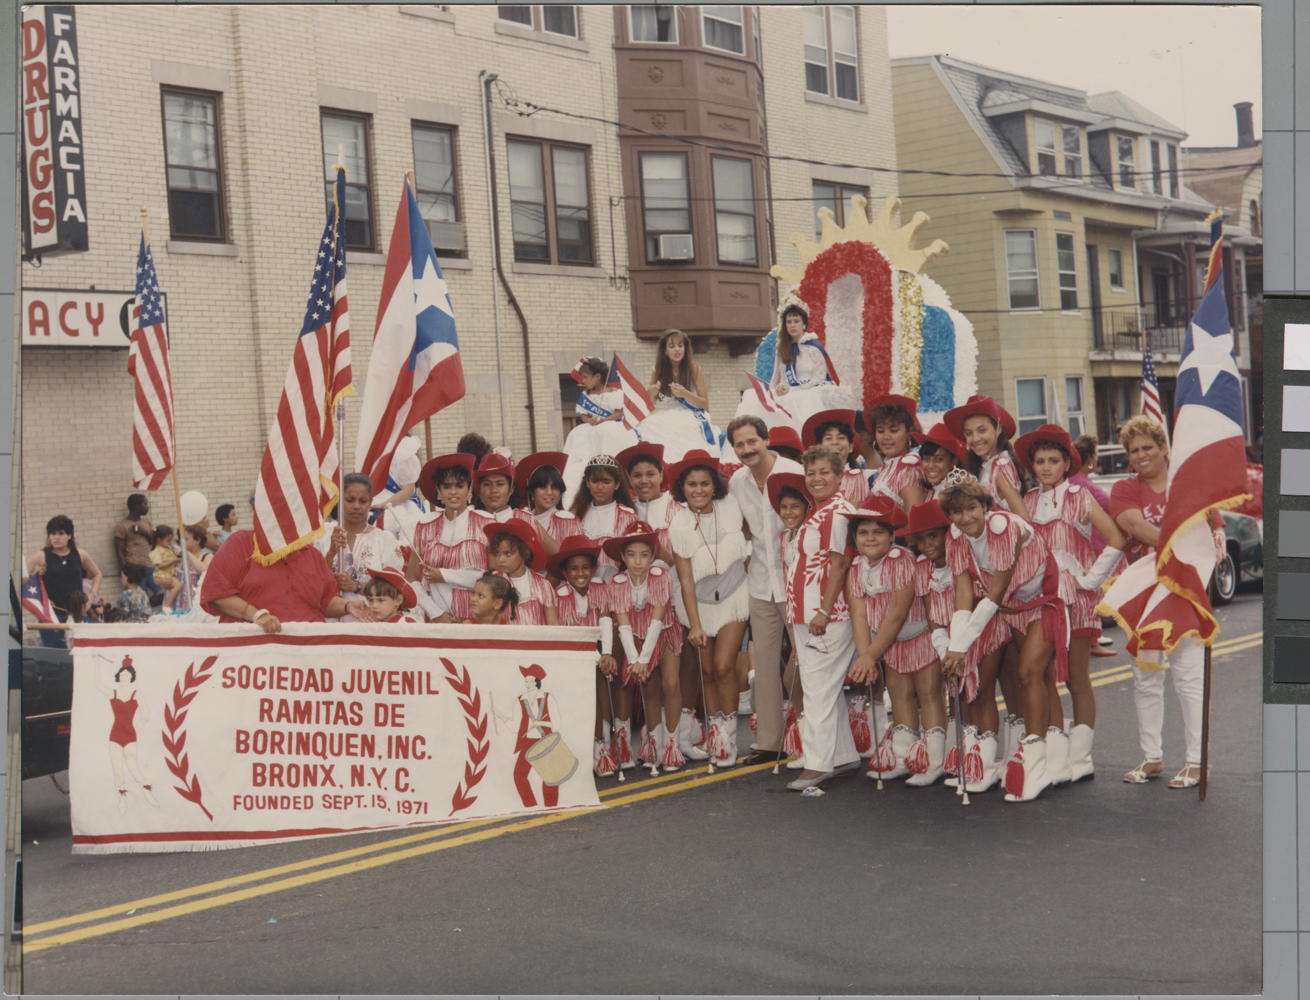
(539, 747)
(122, 737)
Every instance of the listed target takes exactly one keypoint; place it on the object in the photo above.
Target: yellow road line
(308, 878)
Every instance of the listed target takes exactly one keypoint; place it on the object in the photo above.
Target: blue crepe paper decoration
(766, 355)
(937, 378)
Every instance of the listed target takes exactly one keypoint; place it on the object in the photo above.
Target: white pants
(1187, 665)
(826, 728)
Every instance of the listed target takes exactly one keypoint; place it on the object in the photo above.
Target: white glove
(970, 632)
(1105, 562)
(463, 579)
(941, 641)
(959, 622)
(652, 637)
(607, 636)
(629, 645)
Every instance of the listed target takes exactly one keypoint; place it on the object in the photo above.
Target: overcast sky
(1189, 64)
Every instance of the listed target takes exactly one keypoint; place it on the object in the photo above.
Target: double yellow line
(350, 862)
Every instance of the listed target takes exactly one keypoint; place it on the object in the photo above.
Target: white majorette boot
(623, 745)
(936, 741)
(646, 752)
(952, 765)
(980, 769)
(902, 739)
(1014, 736)
(858, 713)
(1057, 756)
(1025, 774)
(603, 760)
(1003, 738)
(670, 756)
(1080, 753)
(729, 745)
(916, 758)
(145, 790)
(878, 725)
(687, 726)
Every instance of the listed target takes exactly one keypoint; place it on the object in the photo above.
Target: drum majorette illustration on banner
(128, 711)
(860, 321)
(539, 748)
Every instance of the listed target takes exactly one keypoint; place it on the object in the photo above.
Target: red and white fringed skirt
(1086, 622)
(909, 656)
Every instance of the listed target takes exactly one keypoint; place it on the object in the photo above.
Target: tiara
(958, 477)
(603, 462)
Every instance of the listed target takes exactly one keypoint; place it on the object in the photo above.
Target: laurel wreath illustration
(470, 699)
(184, 691)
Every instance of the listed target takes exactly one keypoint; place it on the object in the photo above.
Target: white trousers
(826, 728)
(1187, 666)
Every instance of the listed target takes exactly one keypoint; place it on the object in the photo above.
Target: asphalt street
(727, 885)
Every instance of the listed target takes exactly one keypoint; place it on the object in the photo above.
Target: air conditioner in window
(446, 235)
(676, 247)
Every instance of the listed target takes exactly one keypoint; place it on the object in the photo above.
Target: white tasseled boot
(623, 745)
(1057, 756)
(903, 738)
(1025, 774)
(952, 752)
(980, 769)
(687, 727)
(1016, 734)
(1080, 753)
(1004, 748)
(670, 756)
(936, 740)
(729, 742)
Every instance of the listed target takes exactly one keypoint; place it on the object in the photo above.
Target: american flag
(147, 363)
(636, 400)
(1159, 601)
(36, 602)
(298, 476)
(766, 396)
(1151, 387)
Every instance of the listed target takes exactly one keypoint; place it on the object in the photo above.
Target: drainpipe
(487, 79)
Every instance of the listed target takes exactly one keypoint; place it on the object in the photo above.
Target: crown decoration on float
(887, 327)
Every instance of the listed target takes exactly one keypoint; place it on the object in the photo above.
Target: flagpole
(341, 403)
(177, 491)
(427, 421)
(1205, 705)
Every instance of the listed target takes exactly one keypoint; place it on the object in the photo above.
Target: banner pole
(1205, 725)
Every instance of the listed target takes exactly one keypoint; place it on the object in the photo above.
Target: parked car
(47, 710)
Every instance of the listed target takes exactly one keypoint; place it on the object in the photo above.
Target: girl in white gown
(600, 430)
(803, 380)
(683, 422)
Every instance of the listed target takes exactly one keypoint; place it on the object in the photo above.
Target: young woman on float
(710, 552)
(678, 382)
(893, 421)
(1064, 515)
(641, 597)
(890, 625)
(1001, 591)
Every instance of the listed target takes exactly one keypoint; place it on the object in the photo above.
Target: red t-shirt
(297, 588)
(1134, 494)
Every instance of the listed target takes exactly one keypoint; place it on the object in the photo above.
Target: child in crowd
(514, 551)
(600, 429)
(389, 596)
(893, 420)
(133, 602)
(891, 626)
(541, 480)
(604, 507)
(581, 600)
(791, 499)
(1064, 515)
(164, 558)
(491, 601)
(836, 429)
(226, 516)
(641, 598)
(940, 452)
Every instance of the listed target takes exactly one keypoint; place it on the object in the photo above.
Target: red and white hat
(879, 507)
(638, 532)
(427, 482)
(1023, 447)
(397, 579)
(943, 438)
(984, 406)
(924, 517)
(809, 432)
(520, 529)
(891, 399)
(523, 472)
(778, 480)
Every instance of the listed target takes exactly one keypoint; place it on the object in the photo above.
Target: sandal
(1185, 779)
(1140, 775)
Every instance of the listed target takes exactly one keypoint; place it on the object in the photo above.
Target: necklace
(714, 554)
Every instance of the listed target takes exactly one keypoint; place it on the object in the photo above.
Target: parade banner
(200, 737)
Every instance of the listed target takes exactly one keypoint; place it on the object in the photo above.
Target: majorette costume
(912, 650)
(124, 729)
(898, 471)
(498, 465)
(822, 660)
(788, 553)
(999, 468)
(534, 590)
(854, 482)
(600, 523)
(658, 513)
(534, 724)
(456, 546)
(644, 639)
(559, 524)
(942, 438)
(1035, 592)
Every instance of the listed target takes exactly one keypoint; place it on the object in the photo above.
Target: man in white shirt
(749, 437)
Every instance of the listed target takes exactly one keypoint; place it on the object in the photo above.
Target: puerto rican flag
(35, 601)
(1159, 601)
(766, 396)
(415, 370)
(636, 400)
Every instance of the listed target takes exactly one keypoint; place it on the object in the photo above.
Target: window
(755, 32)
(1116, 269)
(722, 29)
(1021, 268)
(558, 19)
(348, 135)
(1073, 151)
(1073, 402)
(550, 202)
(1157, 178)
(1173, 171)
(1067, 266)
(836, 197)
(665, 199)
(434, 181)
(1044, 132)
(831, 52)
(734, 210)
(1124, 144)
(1031, 393)
(653, 23)
(195, 182)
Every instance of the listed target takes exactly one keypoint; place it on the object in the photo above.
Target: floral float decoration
(887, 327)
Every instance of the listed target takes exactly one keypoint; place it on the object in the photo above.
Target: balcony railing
(1164, 323)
